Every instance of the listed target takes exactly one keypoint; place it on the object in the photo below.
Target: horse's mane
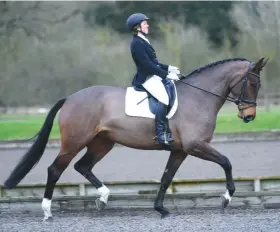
(213, 65)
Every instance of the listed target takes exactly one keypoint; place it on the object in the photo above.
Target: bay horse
(94, 118)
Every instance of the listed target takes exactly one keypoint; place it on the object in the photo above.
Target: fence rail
(243, 185)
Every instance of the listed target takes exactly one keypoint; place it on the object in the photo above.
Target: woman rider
(151, 75)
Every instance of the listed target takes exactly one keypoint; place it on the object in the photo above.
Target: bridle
(238, 101)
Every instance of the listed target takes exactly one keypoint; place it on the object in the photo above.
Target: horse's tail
(34, 154)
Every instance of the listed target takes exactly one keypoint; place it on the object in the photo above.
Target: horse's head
(246, 91)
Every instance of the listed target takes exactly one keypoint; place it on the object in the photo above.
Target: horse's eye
(253, 84)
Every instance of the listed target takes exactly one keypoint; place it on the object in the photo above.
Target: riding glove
(173, 76)
(173, 69)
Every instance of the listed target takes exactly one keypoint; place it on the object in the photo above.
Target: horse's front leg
(204, 151)
(173, 164)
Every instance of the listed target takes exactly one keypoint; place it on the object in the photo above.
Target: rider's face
(145, 27)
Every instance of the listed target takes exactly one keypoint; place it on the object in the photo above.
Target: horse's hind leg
(54, 172)
(97, 149)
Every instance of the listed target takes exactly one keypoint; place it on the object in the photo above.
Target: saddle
(140, 103)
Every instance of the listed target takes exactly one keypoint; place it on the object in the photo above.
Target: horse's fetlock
(231, 188)
(231, 191)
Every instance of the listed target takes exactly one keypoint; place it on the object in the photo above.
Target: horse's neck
(216, 80)
(213, 82)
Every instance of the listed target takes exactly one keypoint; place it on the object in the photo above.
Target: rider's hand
(173, 76)
(173, 69)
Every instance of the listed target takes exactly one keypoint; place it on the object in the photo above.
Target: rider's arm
(138, 51)
(163, 66)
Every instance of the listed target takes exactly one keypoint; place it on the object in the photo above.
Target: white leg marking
(46, 206)
(104, 193)
(227, 196)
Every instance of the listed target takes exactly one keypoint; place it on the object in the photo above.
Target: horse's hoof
(100, 205)
(48, 219)
(225, 202)
(164, 212)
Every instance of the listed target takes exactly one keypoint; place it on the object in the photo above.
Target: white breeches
(155, 87)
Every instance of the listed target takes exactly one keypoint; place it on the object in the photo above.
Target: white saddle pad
(132, 108)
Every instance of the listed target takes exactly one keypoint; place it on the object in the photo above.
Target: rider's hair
(134, 30)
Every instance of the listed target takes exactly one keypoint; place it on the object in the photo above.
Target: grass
(263, 121)
(26, 126)
(14, 126)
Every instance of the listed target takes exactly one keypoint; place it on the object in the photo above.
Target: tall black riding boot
(171, 94)
(168, 131)
(160, 123)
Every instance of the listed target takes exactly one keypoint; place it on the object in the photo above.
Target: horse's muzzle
(248, 118)
(247, 114)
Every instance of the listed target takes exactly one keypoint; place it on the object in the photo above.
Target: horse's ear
(256, 67)
(263, 64)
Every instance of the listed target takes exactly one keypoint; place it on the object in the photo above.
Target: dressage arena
(253, 220)
(249, 160)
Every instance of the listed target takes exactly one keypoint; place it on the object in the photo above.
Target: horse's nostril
(249, 118)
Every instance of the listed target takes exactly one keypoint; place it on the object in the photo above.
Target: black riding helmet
(134, 20)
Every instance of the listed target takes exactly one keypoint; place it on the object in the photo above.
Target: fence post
(257, 185)
(82, 190)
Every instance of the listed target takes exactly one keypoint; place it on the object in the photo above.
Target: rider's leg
(162, 135)
(168, 84)
(156, 88)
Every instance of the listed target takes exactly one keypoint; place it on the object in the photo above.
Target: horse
(96, 118)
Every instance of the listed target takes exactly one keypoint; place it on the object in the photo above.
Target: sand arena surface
(181, 220)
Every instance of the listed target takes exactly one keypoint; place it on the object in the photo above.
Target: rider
(151, 75)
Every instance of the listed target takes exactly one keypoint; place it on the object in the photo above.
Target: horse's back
(91, 99)
(95, 91)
